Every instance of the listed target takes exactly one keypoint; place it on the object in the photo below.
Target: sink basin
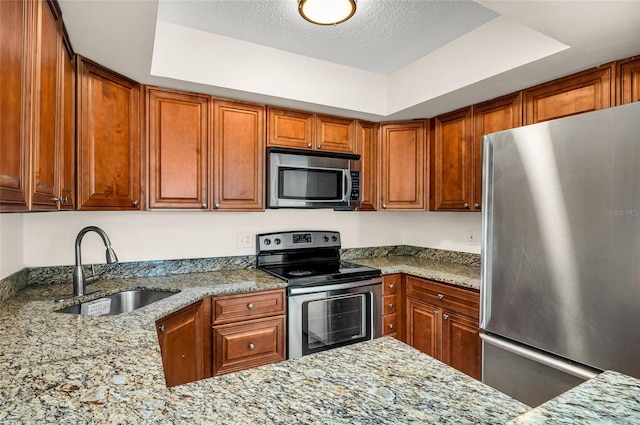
(126, 301)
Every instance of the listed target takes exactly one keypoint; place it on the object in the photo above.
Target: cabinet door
(44, 187)
(181, 345)
(582, 92)
(451, 162)
(16, 70)
(496, 115)
(67, 134)
(109, 139)
(628, 81)
(248, 344)
(335, 134)
(239, 152)
(461, 344)
(423, 327)
(291, 129)
(178, 140)
(403, 162)
(367, 148)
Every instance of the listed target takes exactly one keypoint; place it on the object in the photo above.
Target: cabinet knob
(319, 145)
(435, 311)
(384, 206)
(390, 305)
(440, 296)
(251, 346)
(135, 203)
(466, 206)
(65, 199)
(391, 286)
(309, 145)
(216, 205)
(204, 205)
(476, 206)
(390, 325)
(162, 328)
(56, 199)
(250, 306)
(445, 316)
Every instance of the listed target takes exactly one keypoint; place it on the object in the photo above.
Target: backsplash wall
(48, 238)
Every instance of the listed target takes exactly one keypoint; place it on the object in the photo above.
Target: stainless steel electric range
(330, 303)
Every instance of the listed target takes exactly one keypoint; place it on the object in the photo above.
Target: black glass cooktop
(319, 273)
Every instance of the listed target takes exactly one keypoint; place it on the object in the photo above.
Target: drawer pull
(391, 286)
(390, 305)
(440, 296)
(390, 325)
(251, 346)
(250, 306)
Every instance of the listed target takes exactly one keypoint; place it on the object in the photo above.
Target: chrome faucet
(79, 280)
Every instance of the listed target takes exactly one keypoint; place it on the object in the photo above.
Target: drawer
(231, 308)
(452, 298)
(391, 283)
(390, 304)
(390, 324)
(249, 344)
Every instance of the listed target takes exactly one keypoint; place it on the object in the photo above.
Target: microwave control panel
(355, 186)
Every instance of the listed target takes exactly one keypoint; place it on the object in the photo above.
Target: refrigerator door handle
(582, 372)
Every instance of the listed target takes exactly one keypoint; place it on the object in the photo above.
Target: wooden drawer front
(390, 324)
(465, 301)
(240, 307)
(390, 304)
(248, 344)
(391, 283)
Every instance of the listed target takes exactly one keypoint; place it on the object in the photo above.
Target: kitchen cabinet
(177, 130)
(443, 321)
(585, 91)
(108, 147)
(16, 68)
(452, 161)
(403, 163)
(238, 156)
(367, 148)
(495, 115)
(308, 131)
(182, 344)
(628, 81)
(67, 134)
(248, 330)
(392, 301)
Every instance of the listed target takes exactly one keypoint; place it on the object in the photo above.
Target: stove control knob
(277, 241)
(267, 241)
(326, 238)
(334, 238)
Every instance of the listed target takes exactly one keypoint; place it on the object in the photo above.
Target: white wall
(11, 244)
(135, 236)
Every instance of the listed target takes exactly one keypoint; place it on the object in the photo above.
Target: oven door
(330, 316)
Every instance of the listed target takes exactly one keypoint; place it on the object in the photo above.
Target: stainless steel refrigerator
(560, 291)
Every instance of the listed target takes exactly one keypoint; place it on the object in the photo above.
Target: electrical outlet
(244, 240)
(472, 237)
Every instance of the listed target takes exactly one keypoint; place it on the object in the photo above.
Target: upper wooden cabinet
(16, 68)
(403, 165)
(239, 156)
(496, 115)
(452, 161)
(578, 93)
(178, 138)
(628, 81)
(108, 139)
(67, 133)
(305, 130)
(367, 148)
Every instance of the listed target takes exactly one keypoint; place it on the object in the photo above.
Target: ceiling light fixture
(326, 12)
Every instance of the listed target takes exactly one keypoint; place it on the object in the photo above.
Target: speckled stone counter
(610, 398)
(467, 276)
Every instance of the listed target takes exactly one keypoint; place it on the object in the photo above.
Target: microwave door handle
(348, 186)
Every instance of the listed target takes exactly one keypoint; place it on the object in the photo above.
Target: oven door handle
(299, 290)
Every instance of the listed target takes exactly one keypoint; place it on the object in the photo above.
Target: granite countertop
(463, 275)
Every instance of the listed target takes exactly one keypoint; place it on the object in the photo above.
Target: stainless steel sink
(126, 301)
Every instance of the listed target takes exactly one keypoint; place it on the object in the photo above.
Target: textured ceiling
(399, 31)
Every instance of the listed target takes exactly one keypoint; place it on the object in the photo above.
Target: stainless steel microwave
(306, 179)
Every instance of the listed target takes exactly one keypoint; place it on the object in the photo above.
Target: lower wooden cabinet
(392, 306)
(443, 322)
(181, 337)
